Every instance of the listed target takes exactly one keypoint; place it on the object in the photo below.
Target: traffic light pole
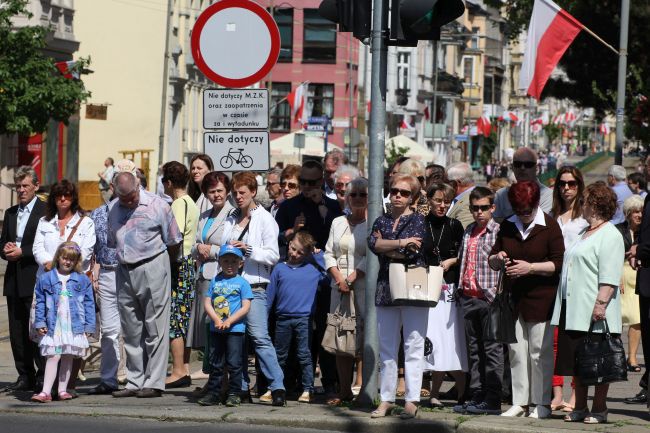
(620, 94)
(376, 159)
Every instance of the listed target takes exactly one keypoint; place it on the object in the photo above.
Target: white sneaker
(540, 412)
(305, 397)
(266, 397)
(515, 411)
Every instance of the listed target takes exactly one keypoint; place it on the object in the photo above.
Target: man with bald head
(524, 166)
(142, 228)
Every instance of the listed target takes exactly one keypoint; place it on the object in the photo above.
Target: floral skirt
(183, 279)
(63, 341)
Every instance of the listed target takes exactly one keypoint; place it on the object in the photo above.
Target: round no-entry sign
(235, 43)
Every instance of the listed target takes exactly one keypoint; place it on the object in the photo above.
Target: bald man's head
(524, 164)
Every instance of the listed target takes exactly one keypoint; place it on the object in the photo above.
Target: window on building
(319, 44)
(320, 100)
(474, 42)
(403, 76)
(487, 89)
(468, 70)
(280, 111)
(284, 20)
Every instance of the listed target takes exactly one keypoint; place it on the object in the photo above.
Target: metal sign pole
(620, 94)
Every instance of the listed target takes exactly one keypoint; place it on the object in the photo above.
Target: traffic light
(420, 20)
(351, 15)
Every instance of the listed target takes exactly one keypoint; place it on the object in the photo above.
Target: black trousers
(485, 357)
(644, 307)
(326, 360)
(29, 363)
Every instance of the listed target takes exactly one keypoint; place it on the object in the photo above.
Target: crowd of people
(204, 264)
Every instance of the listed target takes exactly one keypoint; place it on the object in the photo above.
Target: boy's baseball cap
(229, 249)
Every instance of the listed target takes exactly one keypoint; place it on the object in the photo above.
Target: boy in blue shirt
(293, 289)
(226, 303)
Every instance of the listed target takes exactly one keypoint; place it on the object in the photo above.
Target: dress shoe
(22, 384)
(126, 392)
(148, 393)
(641, 397)
(183, 382)
(210, 399)
(101, 389)
(279, 397)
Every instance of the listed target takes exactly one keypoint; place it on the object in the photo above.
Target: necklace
(591, 229)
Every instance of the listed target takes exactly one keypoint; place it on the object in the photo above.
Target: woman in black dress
(446, 331)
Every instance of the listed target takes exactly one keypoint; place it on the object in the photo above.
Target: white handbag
(415, 285)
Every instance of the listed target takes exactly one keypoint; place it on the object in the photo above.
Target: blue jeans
(286, 328)
(257, 329)
(226, 350)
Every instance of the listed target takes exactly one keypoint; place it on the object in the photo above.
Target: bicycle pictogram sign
(236, 157)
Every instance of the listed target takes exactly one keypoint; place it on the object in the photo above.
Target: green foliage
(394, 151)
(553, 132)
(32, 90)
(488, 144)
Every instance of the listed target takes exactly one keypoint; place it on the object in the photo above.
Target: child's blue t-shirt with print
(227, 295)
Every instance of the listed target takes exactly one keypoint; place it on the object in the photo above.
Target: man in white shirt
(105, 179)
(332, 161)
(524, 167)
(461, 176)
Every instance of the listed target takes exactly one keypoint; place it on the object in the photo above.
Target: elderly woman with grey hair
(342, 178)
(631, 316)
(416, 169)
(345, 261)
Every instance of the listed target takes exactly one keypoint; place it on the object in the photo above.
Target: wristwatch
(601, 302)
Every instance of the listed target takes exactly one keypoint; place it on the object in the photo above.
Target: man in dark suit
(16, 241)
(639, 256)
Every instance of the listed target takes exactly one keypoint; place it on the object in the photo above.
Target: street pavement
(177, 409)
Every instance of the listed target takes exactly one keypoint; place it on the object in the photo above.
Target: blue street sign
(318, 120)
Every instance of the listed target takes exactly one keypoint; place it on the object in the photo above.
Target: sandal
(63, 395)
(338, 401)
(567, 408)
(42, 397)
(382, 412)
(596, 417)
(425, 393)
(434, 403)
(400, 393)
(560, 406)
(633, 368)
(408, 414)
(577, 415)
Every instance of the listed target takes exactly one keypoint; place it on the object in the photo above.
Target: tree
(553, 132)
(393, 152)
(32, 90)
(592, 68)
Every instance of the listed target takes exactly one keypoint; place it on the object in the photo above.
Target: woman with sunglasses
(530, 247)
(345, 261)
(568, 197)
(64, 220)
(397, 236)
(440, 246)
(289, 181)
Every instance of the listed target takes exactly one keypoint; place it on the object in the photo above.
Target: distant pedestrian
(331, 162)
(274, 190)
(105, 178)
(64, 316)
(227, 303)
(617, 181)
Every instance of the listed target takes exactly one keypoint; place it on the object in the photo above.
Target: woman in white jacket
(253, 230)
(345, 261)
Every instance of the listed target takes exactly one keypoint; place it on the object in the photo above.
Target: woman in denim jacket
(64, 316)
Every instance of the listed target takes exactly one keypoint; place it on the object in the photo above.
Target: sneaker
(540, 412)
(266, 397)
(305, 397)
(279, 397)
(233, 400)
(484, 408)
(462, 408)
(210, 399)
(515, 411)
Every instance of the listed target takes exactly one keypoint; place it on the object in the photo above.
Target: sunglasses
(482, 208)
(572, 184)
(523, 212)
(67, 197)
(358, 194)
(402, 192)
(290, 185)
(523, 164)
(310, 182)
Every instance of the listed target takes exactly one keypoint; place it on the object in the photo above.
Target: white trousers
(531, 363)
(109, 316)
(413, 321)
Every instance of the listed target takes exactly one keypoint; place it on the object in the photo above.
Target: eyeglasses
(440, 201)
(523, 164)
(482, 208)
(290, 185)
(402, 192)
(66, 197)
(523, 212)
(572, 184)
(358, 194)
(310, 182)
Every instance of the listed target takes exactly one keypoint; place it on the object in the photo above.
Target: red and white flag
(406, 124)
(297, 99)
(509, 116)
(550, 32)
(65, 69)
(427, 115)
(484, 126)
(604, 128)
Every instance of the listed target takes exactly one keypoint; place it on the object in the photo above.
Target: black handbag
(600, 362)
(499, 323)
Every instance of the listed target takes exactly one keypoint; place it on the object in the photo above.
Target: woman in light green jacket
(589, 291)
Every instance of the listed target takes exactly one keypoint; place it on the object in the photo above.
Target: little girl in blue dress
(64, 317)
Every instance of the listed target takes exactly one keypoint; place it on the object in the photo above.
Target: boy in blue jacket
(291, 294)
